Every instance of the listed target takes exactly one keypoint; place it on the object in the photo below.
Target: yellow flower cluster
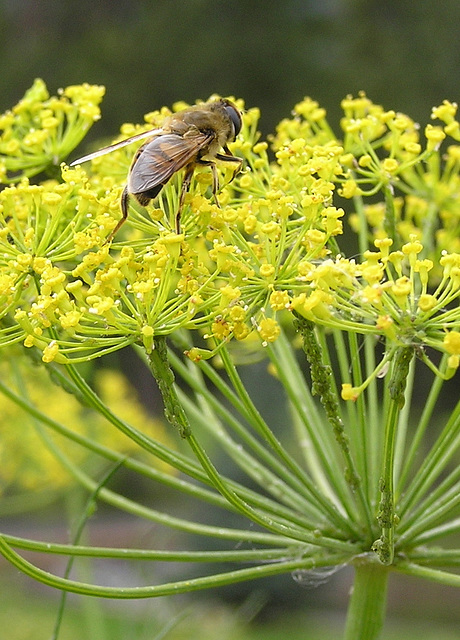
(387, 295)
(40, 130)
(270, 248)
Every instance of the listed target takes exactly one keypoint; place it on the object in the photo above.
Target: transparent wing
(117, 145)
(157, 161)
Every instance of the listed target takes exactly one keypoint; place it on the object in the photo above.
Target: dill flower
(73, 298)
(386, 295)
(41, 130)
(271, 246)
(244, 274)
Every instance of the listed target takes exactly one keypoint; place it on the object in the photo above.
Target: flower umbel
(265, 272)
(274, 241)
(41, 130)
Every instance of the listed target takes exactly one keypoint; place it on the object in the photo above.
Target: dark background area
(403, 54)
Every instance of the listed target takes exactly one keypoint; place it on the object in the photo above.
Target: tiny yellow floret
(452, 342)
(349, 392)
(269, 329)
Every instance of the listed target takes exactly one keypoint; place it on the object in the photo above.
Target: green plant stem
(358, 426)
(423, 423)
(164, 376)
(367, 607)
(322, 385)
(287, 458)
(403, 426)
(390, 215)
(176, 415)
(318, 447)
(384, 546)
(170, 588)
(91, 608)
(291, 488)
(434, 463)
(223, 555)
(441, 577)
(168, 479)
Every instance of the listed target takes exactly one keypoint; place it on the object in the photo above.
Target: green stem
(164, 376)
(322, 385)
(390, 216)
(175, 414)
(441, 577)
(434, 463)
(169, 588)
(384, 546)
(317, 445)
(416, 444)
(366, 611)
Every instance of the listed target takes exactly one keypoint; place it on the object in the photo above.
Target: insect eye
(235, 117)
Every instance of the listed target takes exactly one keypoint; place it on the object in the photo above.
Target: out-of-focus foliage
(28, 462)
(153, 52)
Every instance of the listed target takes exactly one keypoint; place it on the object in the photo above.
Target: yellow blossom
(279, 300)
(372, 294)
(274, 244)
(402, 287)
(349, 392)
(267, 270)
(426, 302)
(220, 329)
(434, 135)
(50, 352)
(268, 329)
(452, 342)
(384, 323)
(390, 165)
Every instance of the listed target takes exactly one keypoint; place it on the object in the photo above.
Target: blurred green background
(403, 54)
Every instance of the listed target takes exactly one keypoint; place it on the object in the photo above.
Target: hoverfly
(186, 139)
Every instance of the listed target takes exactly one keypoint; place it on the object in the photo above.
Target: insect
(187, 139)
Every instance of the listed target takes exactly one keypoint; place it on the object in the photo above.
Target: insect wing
(116, 145)
(158, 160)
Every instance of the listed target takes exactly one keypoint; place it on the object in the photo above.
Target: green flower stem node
(163, 374)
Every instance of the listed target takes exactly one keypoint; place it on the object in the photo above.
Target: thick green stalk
(366, 611)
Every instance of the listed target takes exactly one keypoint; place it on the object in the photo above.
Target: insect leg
(229, 158)
(215, 183)
(215, 178)
(124, 201)
(185, 187)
